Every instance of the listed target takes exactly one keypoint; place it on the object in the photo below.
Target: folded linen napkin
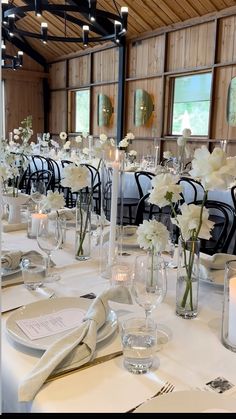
(212, 268)
(76, 347)
(11, 260)
(216, 261)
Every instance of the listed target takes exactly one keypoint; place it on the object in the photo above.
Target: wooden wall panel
(105, 65)
(226, 40)
(146, 57)
(28, 63)
(58, 75)
(220, 127)
(58, 112)
(79, 71)
(111, 91)
(23, 98)
(191, 47)
(154, 88)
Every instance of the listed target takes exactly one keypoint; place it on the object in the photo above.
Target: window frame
(71, 111)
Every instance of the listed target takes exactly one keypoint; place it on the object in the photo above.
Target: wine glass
(37, 192)
(149, 287)
(49, 238)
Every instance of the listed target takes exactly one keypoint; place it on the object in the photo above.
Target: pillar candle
(35, 219)
(114, 197)
(232, 311)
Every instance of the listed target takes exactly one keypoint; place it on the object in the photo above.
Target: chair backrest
(95, 185)
(39, 175)
(223, 231)
(143, 181)
(56, 173)
(39, 163)
(145, 210)
(192, 190)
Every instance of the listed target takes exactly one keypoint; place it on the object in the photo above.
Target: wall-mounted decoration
(231, 103)
(105, 110)
(143, 107)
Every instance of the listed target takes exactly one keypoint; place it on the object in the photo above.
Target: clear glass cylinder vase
(228, 331)
(83, 227)
(187, 285)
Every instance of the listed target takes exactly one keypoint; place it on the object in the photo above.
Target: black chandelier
(106, 26)
(11, 61)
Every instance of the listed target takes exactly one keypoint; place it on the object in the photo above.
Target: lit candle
(35, 219)
(114, 197)
(121, 274)
(232, 311)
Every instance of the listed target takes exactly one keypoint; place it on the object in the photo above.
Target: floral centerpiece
(13, 160)
(132, 154)
(213, 170)
(77, 178)
(124, 143)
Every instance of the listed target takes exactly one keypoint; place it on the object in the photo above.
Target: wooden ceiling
(144, 16)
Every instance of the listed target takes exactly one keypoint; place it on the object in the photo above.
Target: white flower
(85, 151)
(55, 144)
(48, 136)
(103, 138)
(132, 153)
(78, 139)
(16, 131)
(124, 143)
(165, 189)
(63, 135)
(75, 177)
(167, 154)
(66, 146)
(130, 136)
(112, 142)
(16, 137)
(215, 170)
(186, 132)
(152, 234)
(188, 221)
(53, 200)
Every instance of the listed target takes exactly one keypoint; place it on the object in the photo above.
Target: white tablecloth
(193, 356)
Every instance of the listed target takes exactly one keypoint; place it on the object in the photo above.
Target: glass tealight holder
(120, 275)
(34, 218)
(228, 331)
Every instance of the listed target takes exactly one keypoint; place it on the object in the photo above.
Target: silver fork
(167, 388)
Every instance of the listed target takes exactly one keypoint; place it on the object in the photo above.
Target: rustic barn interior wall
(152, 62)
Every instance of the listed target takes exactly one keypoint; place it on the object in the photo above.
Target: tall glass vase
(83, 227)
(187, 279)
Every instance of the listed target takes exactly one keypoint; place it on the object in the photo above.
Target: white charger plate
(51, 306)
(192, 401)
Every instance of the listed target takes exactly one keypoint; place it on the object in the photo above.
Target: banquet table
(193, 355)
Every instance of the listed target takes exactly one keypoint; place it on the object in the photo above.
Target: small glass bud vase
(83, 227)
(187, 279)
(228, 331)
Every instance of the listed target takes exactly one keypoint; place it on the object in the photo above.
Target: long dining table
(192, 356)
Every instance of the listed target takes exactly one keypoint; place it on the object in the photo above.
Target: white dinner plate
(51, 306)
(192, 401)
(217, 280)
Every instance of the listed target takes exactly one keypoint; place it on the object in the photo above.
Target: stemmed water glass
(37, 192)
(149, 286)
(49, 238)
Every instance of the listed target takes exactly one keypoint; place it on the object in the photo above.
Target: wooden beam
(23, 74)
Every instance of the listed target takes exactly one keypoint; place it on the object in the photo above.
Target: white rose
(130, 136)
(133, 153)
(188, 221)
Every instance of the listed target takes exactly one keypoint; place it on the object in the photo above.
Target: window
(79, 110)
(191, 104)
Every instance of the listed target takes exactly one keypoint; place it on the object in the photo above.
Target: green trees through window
(191, 104)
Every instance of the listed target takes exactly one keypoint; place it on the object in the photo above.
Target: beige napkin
(75, 348)
(212, 268)
(11, 260)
